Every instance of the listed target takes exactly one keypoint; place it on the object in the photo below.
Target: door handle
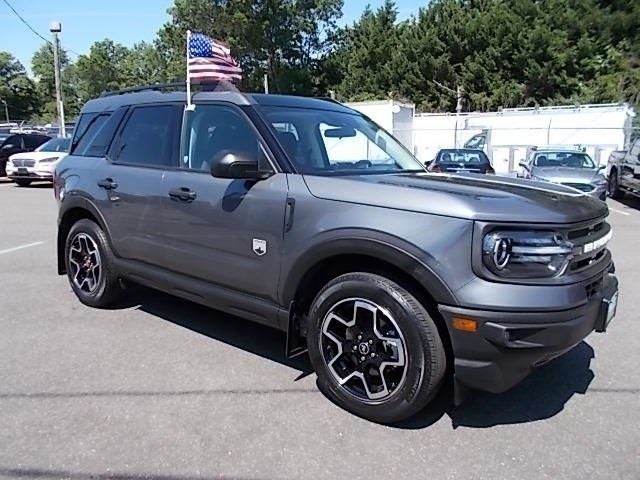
(107, 184)
(183, 194)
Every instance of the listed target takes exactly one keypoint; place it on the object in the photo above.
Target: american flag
(210, 59)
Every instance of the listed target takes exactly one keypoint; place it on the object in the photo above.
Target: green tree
(42, 66)
(103, 69)
(16, 89)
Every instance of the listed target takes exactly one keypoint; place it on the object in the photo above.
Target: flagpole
(189, 105)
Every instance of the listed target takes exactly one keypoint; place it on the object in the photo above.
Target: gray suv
(306, 216)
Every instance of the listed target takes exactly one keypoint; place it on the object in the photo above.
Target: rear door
(630, 169)
(145, 146)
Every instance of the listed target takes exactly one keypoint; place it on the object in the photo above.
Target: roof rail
(143, 88)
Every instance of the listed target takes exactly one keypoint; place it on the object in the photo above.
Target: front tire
(22, 183)
(613, 188)
(376, 350)
(90, 265)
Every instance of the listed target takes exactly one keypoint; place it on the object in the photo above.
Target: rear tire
(90, 265)
(613, 188)
(22, 183)
(374, 347)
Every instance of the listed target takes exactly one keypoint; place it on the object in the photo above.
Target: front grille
(585, 236)
(583, 187)
(23, 163)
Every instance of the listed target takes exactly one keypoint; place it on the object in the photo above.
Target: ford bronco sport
(304, 215)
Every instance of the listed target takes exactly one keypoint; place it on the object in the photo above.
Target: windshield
(563, 159)
(55, 145)
(471, 157)
(324, 142)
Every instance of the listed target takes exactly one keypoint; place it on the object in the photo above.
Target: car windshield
(563, 159)
(326, 142)
(470, 157)
(55, 145)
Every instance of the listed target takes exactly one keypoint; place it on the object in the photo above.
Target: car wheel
(22, 182)
(91, 266)
(375, 348)
(613, 189)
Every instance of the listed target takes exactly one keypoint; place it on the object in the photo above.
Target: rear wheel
(376, 350)
(22, 182)
(91, 266)
(613, 188)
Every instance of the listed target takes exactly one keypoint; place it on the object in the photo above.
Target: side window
(213, 129)
(148, 137)
(102, 139)
(14, 141)
(85, 136)
(34, 141)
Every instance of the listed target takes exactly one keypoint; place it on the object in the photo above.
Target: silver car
(571, 168)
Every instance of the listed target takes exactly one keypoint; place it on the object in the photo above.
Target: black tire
(425, 358)
(21, 182)
(107, 289)
(613, 188)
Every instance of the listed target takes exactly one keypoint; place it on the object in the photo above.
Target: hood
(37, 155)
(567, 174)
(470, 196)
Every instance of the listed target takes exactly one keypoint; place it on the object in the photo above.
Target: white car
(24, 168)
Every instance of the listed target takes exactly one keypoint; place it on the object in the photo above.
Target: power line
(28, 25)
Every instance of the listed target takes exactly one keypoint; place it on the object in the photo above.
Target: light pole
(6, 109)
(55, 28)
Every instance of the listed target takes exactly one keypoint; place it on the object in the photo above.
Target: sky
(124, 21)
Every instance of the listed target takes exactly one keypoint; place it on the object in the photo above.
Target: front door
(224, 231)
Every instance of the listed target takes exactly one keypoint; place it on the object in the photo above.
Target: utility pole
(6, 109)
(55, 28)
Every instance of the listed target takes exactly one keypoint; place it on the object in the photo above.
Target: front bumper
(508, 345)
(29, 173)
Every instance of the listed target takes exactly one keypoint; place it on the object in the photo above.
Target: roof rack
(143, 88)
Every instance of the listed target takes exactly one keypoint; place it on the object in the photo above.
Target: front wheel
(613, 188)
(375, 348)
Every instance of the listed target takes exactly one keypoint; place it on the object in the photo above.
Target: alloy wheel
(364, 349)
(85, 263)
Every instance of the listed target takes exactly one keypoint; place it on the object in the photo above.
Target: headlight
(48, 160)
(599, 182)
(526, 254)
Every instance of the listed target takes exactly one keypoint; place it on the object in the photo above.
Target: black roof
(110, 102)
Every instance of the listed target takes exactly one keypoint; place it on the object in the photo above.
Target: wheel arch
(331, 259)
(74, 210)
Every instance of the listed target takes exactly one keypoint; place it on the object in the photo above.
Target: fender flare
(68, 204)
(393, 250)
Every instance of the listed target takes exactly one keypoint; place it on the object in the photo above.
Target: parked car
(572, 168)
(24, 168)
(623, 172)
(459, 160)
(16, 143)
(393, 278)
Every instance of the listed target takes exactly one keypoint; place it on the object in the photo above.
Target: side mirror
(602, 167)
(238, 166)
(524, 164)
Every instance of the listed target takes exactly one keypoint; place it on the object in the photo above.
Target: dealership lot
(163, 388)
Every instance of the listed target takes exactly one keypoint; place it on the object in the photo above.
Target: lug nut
(362, 358)
(359, 337)
(370, 342)
(355, 347)
(373, 355)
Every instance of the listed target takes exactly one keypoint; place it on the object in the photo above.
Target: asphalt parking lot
(166, 389)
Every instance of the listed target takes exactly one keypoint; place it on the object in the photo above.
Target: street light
(55, 28)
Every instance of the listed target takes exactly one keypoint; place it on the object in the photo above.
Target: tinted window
(14, 140)
(102, 140)
(463, 156)
(564, 159)
(212, 129)
(34, 141)
(147, 137)
(85, 135)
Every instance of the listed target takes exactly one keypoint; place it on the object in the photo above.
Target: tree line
(502, 53)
